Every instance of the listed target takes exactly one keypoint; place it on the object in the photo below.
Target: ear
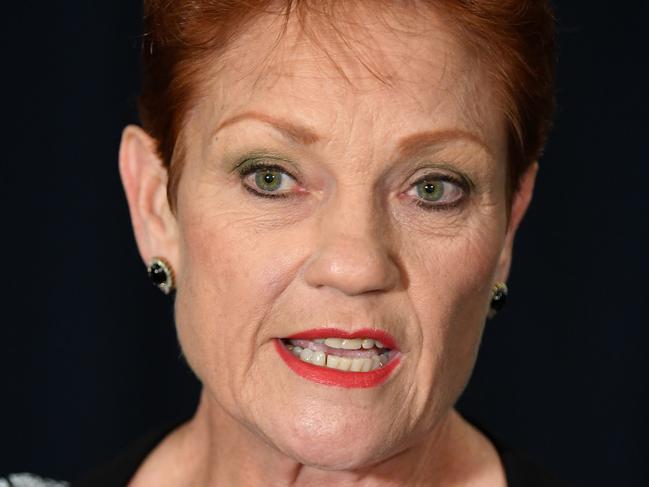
(145, 182)
(520, 202)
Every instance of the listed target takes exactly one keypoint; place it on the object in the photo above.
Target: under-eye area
(346, 354)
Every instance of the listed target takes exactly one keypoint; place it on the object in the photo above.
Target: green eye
(431, 190)
(268, 179)
(438, 191)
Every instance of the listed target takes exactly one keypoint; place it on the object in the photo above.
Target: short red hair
(514, 38)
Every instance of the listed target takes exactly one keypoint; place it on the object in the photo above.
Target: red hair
(515, 39)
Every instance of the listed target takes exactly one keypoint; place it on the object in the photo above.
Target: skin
(347, 248)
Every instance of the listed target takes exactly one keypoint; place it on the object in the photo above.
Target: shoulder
(122, 469)
(29, 480)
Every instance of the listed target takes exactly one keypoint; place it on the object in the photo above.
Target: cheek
(450, 291)
(230, 280)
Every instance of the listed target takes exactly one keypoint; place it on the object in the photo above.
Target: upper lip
(373, 333)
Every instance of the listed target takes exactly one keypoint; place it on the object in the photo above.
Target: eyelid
(268, 158)
(454, 182)
(441, 173)
(253, 166)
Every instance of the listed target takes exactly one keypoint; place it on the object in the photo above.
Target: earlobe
(144, 178)
(520, 203)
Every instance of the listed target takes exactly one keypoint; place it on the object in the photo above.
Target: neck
(215, 449)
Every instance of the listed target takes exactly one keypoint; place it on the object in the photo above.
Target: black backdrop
(88, 354)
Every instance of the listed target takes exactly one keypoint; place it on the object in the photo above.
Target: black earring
(498, 298)
(161, 274)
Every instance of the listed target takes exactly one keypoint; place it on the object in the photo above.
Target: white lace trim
(29, 480)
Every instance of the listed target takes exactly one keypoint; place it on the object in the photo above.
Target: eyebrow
(407, 146)
(416, 143)
(297, 133)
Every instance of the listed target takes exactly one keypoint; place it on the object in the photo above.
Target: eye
(438, 192)
(266, 180)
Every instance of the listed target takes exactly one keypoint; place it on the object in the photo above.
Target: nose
(352, 253)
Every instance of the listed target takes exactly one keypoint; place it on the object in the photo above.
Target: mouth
(365, 358)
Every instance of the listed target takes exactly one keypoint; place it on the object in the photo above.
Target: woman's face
(389, 213)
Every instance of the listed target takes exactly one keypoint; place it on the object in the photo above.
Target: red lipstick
(333, 377)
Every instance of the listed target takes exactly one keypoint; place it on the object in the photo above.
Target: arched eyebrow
(414, 144)
(290, 130)
(407, 146)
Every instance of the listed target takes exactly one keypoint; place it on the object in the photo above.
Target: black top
(520, 471)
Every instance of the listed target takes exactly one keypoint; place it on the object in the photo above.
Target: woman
(332, 191)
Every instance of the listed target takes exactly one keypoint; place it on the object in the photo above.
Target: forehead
(390, 68)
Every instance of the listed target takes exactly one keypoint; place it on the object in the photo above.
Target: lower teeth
(331, 361)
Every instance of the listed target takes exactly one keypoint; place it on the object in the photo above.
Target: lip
(339, 378)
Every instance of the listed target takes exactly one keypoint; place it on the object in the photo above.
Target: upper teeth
(351, 343)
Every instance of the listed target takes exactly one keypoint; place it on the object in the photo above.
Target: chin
(331, 440)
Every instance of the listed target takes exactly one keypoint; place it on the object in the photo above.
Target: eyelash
(461, 182)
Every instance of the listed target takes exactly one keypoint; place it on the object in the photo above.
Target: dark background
(88, 353)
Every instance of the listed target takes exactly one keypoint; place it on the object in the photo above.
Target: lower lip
(333, 377)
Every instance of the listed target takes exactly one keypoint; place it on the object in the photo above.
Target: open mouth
(353, 354)
(334, 357)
